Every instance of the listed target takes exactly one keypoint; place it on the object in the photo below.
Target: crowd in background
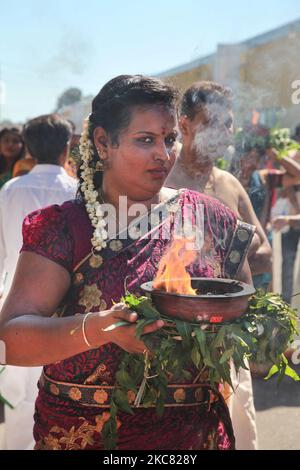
(256, 158)
(265, 163)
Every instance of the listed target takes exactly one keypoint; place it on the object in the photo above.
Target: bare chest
(215, 187)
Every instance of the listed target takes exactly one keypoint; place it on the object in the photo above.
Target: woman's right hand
(124, 336)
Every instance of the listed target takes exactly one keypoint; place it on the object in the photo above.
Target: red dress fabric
(63, 234)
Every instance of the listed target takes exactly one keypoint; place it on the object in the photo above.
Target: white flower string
(92, 204)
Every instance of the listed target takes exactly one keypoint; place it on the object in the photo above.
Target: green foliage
(2, 399)
(221, 163)
(249, 138)
(262, 335)
(280, 139)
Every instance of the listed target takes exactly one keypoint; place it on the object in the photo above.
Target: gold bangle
(83, 329)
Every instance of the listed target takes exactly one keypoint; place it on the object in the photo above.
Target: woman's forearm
(32, 340)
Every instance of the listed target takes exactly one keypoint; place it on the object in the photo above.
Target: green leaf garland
(261, 335)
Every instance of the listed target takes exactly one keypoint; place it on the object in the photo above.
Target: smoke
(212, 139)
(270, 72)
(210, 144)
(72, 56)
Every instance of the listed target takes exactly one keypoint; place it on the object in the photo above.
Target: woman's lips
(158, 173)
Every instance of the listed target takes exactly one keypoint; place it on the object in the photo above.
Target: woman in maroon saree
(74, 390)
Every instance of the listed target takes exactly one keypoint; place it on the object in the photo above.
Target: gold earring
(99, 165)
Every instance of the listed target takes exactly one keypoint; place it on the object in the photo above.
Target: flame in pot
(172, 276)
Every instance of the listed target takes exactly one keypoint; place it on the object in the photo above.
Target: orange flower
(131, 396)
(179, 395)
(99, 423)
(100, 396)
(102, 419)
(54, 389)
(75, 393)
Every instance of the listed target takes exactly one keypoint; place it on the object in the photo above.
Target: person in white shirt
(47, 139)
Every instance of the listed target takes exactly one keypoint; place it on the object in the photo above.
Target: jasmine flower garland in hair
(92, 205)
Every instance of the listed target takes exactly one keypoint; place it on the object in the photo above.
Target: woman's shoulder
(48, 216)
(56, 212)
(74, 208)
(53, 232)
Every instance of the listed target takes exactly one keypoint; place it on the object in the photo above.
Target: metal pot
(217, 300)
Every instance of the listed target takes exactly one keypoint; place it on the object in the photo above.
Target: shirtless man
(206, 124)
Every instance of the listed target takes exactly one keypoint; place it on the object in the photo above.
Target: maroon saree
(63, 234)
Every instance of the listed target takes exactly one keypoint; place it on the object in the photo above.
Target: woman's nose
(162, 152)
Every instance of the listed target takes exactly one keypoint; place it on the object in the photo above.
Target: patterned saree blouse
(63, 235)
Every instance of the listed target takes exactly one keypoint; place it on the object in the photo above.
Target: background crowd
(254, 170)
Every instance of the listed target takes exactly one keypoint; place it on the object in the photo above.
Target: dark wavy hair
(46, 137)
(112, 108)
(20, 155)
(202, 93)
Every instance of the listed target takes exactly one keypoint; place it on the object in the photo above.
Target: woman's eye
(146, 140)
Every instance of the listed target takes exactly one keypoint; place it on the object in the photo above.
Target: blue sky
(46, 47)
